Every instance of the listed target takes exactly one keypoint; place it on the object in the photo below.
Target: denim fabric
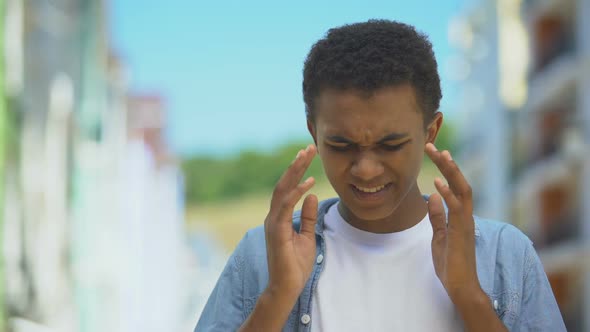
(508, 268)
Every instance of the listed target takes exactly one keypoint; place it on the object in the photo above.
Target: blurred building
(92, 228)
(4, 134)
(525, 73)
(153, 217)
(42, 56)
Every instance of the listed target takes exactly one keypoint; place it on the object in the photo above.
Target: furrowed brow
(393, 137)
(339, 139)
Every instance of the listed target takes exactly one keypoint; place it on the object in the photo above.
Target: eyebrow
(386, 138)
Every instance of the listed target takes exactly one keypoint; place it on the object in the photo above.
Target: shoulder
(512, 274)
(493, 233)
(501, 244)
(504, 254)
(252, 244)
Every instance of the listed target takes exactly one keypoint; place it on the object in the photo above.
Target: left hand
(453, 243)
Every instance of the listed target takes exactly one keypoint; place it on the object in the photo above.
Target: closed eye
(397, 147)
(341, 148)
(349, 147)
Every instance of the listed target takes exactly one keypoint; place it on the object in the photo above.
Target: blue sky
(230, 71)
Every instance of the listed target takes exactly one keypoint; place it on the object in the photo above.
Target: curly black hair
(371, 55)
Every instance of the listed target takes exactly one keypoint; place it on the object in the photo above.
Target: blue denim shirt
(508, 268)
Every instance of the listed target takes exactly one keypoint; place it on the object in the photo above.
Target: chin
(371, 213)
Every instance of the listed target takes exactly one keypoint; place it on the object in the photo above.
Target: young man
(381, 257)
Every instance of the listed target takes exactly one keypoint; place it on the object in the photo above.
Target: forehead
(360, 114)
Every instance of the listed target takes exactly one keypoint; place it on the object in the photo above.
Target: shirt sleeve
(539, 311)
(224, 310)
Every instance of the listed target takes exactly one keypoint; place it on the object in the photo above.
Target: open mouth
(370, 192)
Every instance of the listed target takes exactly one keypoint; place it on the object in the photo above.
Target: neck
(409, 212)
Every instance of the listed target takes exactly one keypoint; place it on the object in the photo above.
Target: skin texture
(349, 131)
(453, 245)
(290, 254)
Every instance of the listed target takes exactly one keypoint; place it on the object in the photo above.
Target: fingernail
(433, 147)
(308, 148)
(298, 155)
(439, 181)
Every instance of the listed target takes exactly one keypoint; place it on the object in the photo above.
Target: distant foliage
(446, 138)
(212, 179)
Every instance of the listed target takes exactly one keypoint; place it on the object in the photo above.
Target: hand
(453, 243)
(291, 255)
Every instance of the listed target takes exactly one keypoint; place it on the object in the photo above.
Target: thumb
(437, 216)
(309, 214)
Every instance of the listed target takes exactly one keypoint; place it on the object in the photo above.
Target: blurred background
(139, 140)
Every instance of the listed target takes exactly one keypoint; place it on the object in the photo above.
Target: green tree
(212, 179)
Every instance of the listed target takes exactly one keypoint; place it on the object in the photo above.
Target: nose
(367, 166)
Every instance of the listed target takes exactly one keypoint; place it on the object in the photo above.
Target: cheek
(415, 163)
(416, 153)
(408, 162)
(333, 162)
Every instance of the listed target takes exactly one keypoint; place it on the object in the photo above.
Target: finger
(301, 163)
(450, 170)
(307, 156)
(437, 216)
(292, 176)
(288, 203)
(309, 214)
(459, 218)
(447, 194)
(284, 184)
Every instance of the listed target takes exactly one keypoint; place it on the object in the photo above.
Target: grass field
(228, 221)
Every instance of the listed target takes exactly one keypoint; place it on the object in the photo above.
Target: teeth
(370, 190)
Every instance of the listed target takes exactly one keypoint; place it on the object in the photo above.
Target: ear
(312, 132)
(434, 127)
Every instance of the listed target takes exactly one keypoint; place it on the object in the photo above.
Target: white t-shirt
(380, 282)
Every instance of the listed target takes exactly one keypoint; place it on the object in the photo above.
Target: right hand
(291, 255)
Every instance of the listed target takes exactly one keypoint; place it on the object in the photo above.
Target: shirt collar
(325, 205)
